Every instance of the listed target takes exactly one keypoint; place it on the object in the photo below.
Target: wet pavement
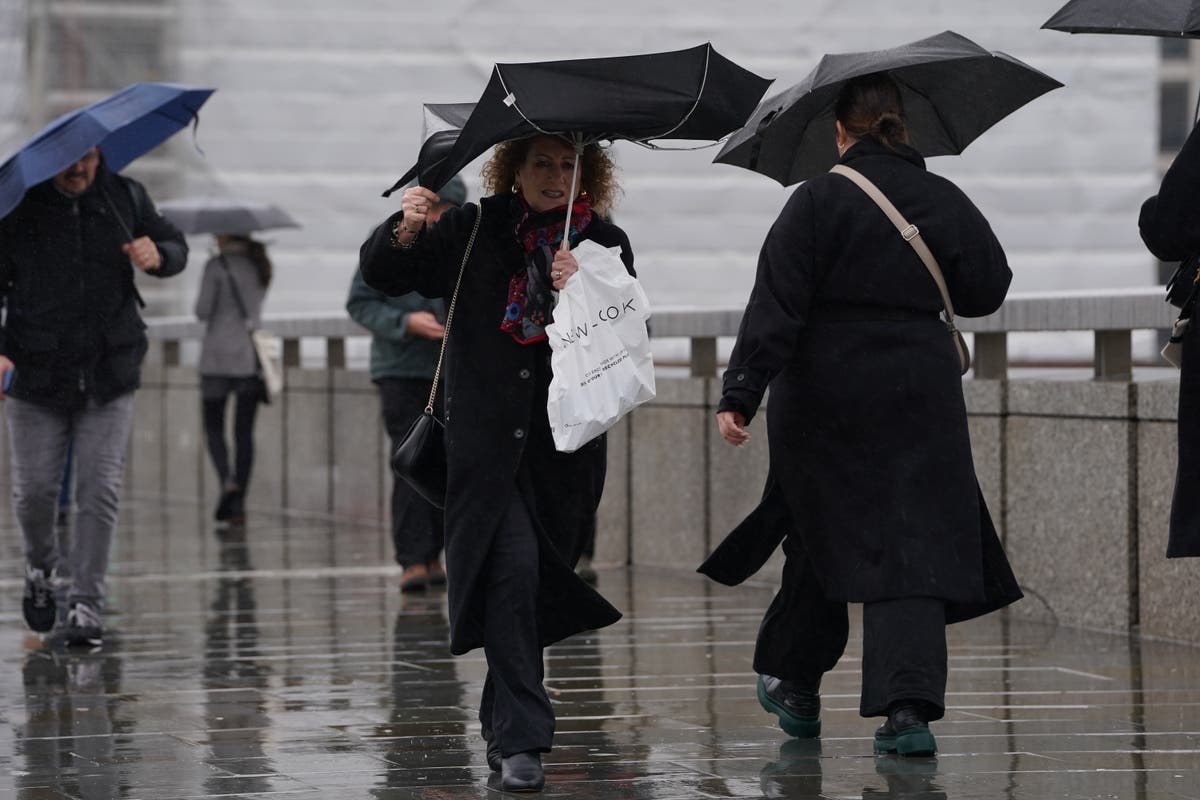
(283, 662)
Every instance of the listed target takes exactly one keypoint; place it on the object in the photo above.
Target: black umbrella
(694, 94)
(1166, 18)
(953, 91)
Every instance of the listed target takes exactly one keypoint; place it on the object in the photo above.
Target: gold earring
(516, 187)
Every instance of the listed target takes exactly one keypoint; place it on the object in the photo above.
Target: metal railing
(1112, 315)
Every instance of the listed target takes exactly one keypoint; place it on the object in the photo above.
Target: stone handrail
(1111, 314)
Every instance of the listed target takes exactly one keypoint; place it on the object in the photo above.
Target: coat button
(741, 376)
(524, 374)
(519, 433)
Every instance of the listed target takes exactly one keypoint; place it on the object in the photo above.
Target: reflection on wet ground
(282, 661)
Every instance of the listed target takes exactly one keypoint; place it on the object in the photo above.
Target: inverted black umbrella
(443, 124)
(1166, 18)
(953, 91)
(694, 94)
(224, 215)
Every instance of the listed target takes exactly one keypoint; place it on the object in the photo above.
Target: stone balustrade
(1077, 466)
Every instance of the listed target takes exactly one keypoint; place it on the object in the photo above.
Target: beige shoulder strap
(911, 233)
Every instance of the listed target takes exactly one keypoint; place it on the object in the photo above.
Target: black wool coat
(498, 437)
(870, 456)
(73, 329)
(1170, 227)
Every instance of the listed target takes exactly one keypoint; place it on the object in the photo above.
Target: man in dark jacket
(71, 350)
(406, 340)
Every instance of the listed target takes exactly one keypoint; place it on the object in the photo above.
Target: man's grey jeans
(38, 437)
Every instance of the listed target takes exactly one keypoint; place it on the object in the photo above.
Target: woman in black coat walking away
(1170, 227)
(872, 487)
(517, 512)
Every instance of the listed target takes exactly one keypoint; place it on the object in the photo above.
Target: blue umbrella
(132, 122)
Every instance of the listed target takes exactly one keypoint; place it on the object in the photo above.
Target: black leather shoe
(905, 733)
(522, 773)
(798, 709)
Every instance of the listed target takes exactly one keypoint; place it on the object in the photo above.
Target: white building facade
(318, 109)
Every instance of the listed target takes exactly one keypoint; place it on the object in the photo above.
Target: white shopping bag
(601, 360)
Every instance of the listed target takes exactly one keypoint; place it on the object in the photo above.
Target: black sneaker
(38, 604)
(84, 626)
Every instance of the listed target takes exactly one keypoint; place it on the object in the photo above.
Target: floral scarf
(539, 232)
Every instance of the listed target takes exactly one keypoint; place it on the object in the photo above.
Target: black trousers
(803, 635)
(514, 706)
(215, 391)
(417, 527)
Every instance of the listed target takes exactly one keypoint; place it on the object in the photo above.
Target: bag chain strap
(437, 373)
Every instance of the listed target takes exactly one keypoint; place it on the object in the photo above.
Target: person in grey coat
(406, 338)
(232, 290)
(872, 487)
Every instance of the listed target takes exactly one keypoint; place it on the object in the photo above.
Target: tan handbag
(912, 235)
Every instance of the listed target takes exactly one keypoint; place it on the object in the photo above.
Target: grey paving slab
(282, 662)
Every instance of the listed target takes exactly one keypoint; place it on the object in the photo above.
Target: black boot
(906, 732)
(522, 773)
(798, 708)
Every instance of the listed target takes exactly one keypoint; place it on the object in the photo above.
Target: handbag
(912, 235)
(267, 349)
(1182, 292)
(1181, 288)
(420, 456)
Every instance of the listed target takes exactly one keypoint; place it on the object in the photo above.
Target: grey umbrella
(953, 91)
(1165, 18)
(224, 215)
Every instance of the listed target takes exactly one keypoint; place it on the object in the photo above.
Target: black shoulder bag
(420, 457)
(1182, 291)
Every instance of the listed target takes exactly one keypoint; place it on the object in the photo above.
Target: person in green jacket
(406, 340)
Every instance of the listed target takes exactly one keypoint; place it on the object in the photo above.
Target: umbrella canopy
(223, 215)
(1166, 18)
(953, 90)
(126, 125)
(694, 94)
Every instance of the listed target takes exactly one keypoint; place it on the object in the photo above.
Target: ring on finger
(556, 274)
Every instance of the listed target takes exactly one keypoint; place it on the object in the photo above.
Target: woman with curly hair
(518, 512)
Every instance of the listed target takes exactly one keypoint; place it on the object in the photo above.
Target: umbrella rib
(695, 105)
(937, 111)
(510, 98)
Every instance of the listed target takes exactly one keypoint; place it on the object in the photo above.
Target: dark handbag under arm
(420, 457)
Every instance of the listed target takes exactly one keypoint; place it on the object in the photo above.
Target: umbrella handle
(566, 245)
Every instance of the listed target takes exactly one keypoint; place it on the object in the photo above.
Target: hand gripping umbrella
(1166, 18)
(126, 125)
(694, 94)
(222, 215)
(953, 91)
